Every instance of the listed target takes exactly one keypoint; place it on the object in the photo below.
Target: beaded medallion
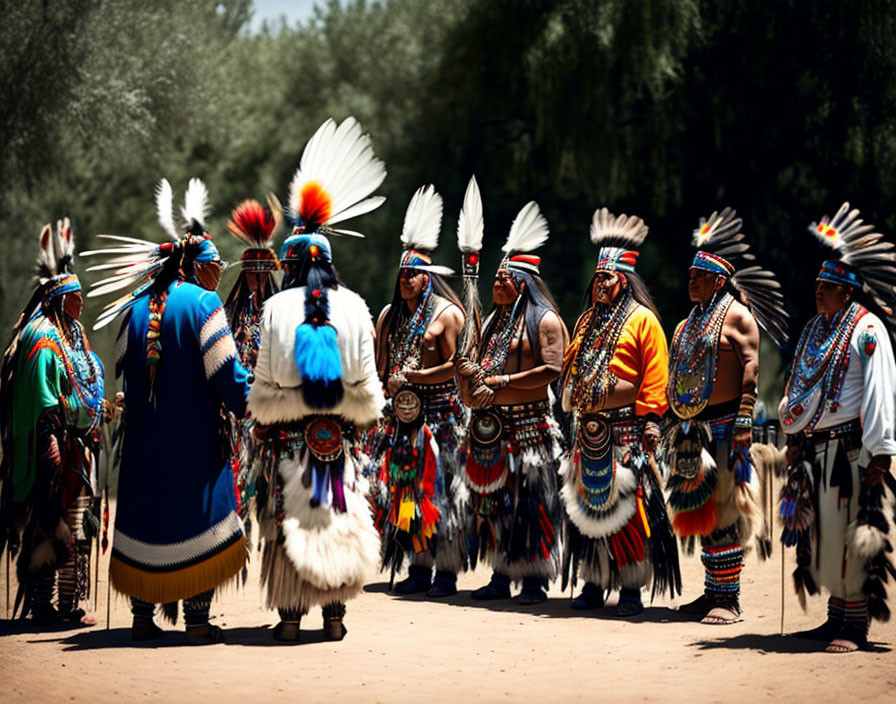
(693, 356)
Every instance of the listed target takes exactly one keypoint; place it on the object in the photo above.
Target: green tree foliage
(667, 109)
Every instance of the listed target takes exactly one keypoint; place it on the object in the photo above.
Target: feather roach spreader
(839, 414)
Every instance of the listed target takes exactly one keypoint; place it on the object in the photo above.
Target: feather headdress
(619, 238)
(335, 178)
(870, 260)
(134, 264)
(527, 233)
(420, 234)
(721, 246)
(470, 231)
(253, 225)
(57, 251)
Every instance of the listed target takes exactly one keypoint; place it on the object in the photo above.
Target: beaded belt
(523, 411)
(627, 427)
(429, 390)
(851, 427)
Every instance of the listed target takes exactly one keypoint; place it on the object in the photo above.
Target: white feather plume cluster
(471, 223)
(423, 220)
(57, 250)
(617, 230)
(529, 230)
(195, 207)
(340, 161)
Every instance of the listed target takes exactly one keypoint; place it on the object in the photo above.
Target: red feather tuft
(252, 223)
(316, 207)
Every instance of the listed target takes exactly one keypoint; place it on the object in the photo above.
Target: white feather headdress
(337, 173)
(527, 233)
(420, 234)
(132, 263)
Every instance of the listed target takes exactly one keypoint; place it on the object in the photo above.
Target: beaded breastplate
(693, 357)
(819, 367)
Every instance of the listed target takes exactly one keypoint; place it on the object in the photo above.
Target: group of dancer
(438, 437)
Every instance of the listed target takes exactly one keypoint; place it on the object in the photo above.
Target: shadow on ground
(118, 638)
(774, 643)
(552, 608)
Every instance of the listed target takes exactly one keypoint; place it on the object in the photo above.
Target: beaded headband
(414, 258)
(713, 264)
(298, 247)
(528, 263)
(259, 260)
(616, 259)
(836, 272)
(67, 283)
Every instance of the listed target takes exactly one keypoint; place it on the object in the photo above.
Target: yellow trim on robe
(174, 585)
(642, 353)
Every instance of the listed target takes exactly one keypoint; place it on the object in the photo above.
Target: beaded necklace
(247, 331)
(586, 376)
(508, 324)
(406, 339)
(692, 359)
(821, 361)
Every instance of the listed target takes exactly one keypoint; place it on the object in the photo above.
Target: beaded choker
(819, 367)
(693, 356)
(586, 377)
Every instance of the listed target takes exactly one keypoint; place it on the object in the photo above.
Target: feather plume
(57, 250)
(195, 208)
(252, 224)
(165, 208)
(718, 230)
(337, 172)
(529, 230)
(46, 261)
(423, 220)
(471, 224)
(608, 230)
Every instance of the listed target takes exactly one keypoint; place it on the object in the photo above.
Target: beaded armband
(744, 419)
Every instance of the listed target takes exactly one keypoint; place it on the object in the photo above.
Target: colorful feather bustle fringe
(409, 518)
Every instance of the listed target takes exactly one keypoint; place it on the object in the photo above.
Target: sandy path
(456, 650)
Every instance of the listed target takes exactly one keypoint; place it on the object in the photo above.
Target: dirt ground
(456, 650)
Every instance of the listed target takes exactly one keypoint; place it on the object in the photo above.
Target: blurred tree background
(665, 109)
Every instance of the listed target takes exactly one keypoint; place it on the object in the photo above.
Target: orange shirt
(642, 353)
